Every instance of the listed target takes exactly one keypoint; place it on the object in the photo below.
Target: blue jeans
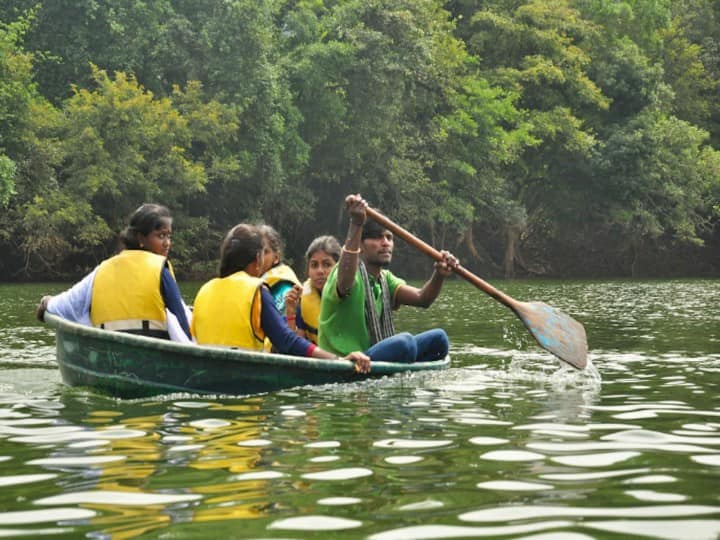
(404, 347)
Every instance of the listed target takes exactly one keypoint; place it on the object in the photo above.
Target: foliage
(17, 92)
(658, 174)
(7, 180)
(504, 130)
(119, 147)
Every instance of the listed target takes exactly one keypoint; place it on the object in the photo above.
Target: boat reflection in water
(136, 469)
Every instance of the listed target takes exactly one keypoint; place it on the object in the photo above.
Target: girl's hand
(41, 308)
(292, 299)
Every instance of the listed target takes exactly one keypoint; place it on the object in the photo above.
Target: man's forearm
(349, 257)
(431, 290)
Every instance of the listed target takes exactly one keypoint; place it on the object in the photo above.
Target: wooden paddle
(554, 331)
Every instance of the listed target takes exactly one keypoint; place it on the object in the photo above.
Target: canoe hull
(129, 366)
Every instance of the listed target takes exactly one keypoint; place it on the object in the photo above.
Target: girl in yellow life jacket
(303, 304)
(279, 277)
(135, 291)
(237, 309)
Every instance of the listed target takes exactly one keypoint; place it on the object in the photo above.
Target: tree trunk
(636, 248)
(512, 235)
(470, 243)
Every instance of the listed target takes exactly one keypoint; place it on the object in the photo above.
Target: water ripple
(432, 532)
(512, 485)
(487, 441)
(24, 479)
(339, 501)
(78, 461)
(339, 474)
(713, 460)
(403, 460)
(600, 475)
(120, 498)
(595, 460)
(662, 529)
(511, 513)
(655, 496)
(259, 475)
(512, 455)
(315, 523)
(645, 436)
(44, 516)
(410, 443)
(644, 445)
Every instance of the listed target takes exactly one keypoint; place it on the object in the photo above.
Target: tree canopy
(562, 137)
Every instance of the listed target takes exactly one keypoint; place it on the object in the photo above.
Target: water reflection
(507, 443)
(124, 484)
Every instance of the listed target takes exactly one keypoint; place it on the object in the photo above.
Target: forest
(541, 138)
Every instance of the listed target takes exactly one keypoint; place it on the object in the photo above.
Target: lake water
(507, 443)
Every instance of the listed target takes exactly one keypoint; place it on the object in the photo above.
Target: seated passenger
(279, 277)
(135, 291)
(303, 303)
(237, 309)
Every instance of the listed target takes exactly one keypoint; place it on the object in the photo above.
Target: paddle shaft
(435, 254)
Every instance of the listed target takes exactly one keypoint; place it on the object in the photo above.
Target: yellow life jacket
(281, 272)
(227, 312)
(310, 311)
(126, 292)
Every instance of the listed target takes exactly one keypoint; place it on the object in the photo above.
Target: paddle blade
(555, 332)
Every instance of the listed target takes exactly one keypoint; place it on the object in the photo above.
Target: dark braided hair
(272, 237)
(239, 248)
(146, 219)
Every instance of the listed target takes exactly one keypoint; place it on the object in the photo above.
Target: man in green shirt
(360, 294)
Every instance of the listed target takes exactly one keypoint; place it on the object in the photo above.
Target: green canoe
(130, 366)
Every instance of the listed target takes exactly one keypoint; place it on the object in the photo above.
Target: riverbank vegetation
(533, 138)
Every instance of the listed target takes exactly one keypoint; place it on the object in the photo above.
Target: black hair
(272, 236)
(147, 218)
(239, 248)
(328, 244)
(372, 229)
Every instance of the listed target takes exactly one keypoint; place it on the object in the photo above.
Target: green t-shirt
(342, 320)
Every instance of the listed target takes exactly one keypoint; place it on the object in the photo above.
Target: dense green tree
(630, 79)
(234, 54)
(639, 20)
(17, 92)
(692, 62)
(25, 158)
(133, 36)
(695, 92)
(540, 51)
(527, 130)
(653, 172)
(120, 147)
(660, 178)
(393, 107)
(367, 79)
